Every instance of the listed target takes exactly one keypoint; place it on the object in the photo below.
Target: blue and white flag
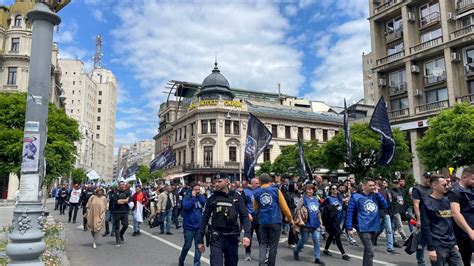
(164, 159)
(133, 169)
(380, 124)
(92, 175)
(301, 159)
(347, 134)
(258, 138)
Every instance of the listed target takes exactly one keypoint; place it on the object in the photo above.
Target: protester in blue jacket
(193, 204)
(363, 215)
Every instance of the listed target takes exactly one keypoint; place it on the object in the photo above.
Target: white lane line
(358, 257)
(203, 259)
(283, 240)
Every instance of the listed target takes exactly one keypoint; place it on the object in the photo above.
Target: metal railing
(399, 113)
(211, 165)
(390, 58)
(394, 35)
(461, 32)
(431, 106)
(426, 45)
(399, 88)
(386, 5)
(464, 5)
(466, 99)
(430, 19)
(432, 79)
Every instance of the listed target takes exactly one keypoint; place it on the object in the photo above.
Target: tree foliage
(288, 161)
(78, 176)
(265, 167)
(62, 132)
(449, 140)
(365, 153)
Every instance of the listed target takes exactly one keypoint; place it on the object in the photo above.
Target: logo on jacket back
(266, 199)
(370, 206)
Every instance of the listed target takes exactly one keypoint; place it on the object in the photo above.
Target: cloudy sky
(312, 47)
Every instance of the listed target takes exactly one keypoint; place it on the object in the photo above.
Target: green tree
(265, 167)
(78, 175)
(144, 174)
(288, 160)
(449, 141)
(365, 153)
(62, 132)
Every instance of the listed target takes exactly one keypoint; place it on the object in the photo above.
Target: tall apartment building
(91, 100)
(141, 152)
(422, 61)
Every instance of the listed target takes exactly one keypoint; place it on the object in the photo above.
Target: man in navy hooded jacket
(363, 214)
(193, 204)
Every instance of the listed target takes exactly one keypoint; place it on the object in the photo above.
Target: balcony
(399, 113)
(461, 32)
(469, 70)
(396, 89)
(426, 45)
(432, 79)
(466, 99)
(211, 165)
(429, 20)
(386, 5)
(390, 58)
(429, 107)
(393, 35)
(464, 5)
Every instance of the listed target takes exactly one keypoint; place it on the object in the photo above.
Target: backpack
(224, 215)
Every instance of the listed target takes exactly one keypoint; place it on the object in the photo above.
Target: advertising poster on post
(29, 185)
(30, 154)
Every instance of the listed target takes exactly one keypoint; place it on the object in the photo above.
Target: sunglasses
(334, 188)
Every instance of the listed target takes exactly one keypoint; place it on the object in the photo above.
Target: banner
(258, 138)
(92, 175)
(164, 159)
(301, 159)
(347, 134)
(380, 124)
(131, 170)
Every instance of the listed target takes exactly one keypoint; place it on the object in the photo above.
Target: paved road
(153, 249)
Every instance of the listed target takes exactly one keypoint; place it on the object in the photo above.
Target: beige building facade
(206, 126)
(422, 61)
(141, 152)
(91, 100)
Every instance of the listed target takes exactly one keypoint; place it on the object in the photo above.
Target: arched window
(18, 20)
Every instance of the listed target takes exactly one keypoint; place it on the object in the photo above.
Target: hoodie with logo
(363, 212)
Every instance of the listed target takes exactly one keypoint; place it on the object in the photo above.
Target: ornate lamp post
(26, 241)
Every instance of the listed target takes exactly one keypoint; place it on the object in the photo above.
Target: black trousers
(73, 208)
(333, 236)
(269, 239)
(120, 218)
(254, 228)
(62, 206)
(84, 218)
(466, 247)
(224, 251)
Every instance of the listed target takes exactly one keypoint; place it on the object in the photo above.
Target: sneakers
(105, 234)
(138, 233)
(296, 256)
(393, 252)
(346, 257)
(318, 261)
(353, 244)
(327, 253)
(117, 243)
(162, 232)
(169, 233)
(396, 245)
(248, 258)
(121, 238)
(291, 246)
(134, 234)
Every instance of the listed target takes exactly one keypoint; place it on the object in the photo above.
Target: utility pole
(26, 241)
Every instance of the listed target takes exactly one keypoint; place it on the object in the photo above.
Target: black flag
(380, 124)
(347, 134)
(301, 159)
(258, 138)
(164, 159)
(131, 170)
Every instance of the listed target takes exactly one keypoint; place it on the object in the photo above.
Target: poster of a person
(30, 153)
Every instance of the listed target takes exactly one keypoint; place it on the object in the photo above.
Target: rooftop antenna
(98, 52)
(215, 61)
(279, 92)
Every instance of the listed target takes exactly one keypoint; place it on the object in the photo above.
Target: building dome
(215, 86)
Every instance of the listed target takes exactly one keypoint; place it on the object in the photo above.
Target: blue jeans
(189, 236)
(136, 225)
(168, 216)
(316, 245)
(387, 224)
(420, 256)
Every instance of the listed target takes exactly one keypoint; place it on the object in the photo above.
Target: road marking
(283, 240)
(203, 259)
(358, 257)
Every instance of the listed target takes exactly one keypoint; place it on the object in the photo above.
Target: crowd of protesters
(439, 208)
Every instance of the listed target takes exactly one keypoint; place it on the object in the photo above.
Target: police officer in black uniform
(224, 208)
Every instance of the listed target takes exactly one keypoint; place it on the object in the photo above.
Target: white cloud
(291, 10)
(98, 15)
(123, 124)
(160, 41)
(65, 33)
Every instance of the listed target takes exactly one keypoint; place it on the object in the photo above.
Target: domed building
(205, 125)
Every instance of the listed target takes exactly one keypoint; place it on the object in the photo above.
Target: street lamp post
(26, 241)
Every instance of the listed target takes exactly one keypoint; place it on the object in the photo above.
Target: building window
(396, 48)
(237, 127)
(434, 71)
(100, 101)
(97, 136)
(227, 126)
(313, 134)
(11, 76)
(471, 87)
(208, 154)
(325, 135)
(429, 13)
(98, 110)
(204, 126)
(184, 130)
(213, 126)
(176, 136)
(18, 20)
(192, 155)
(431, 35)
(467, 21)
(288, 132)
(233, 154)
(98, 127)
(180, 134)
(98, 118)
(179, 158)
(100, 93)
(300, 132)
(397, 79)
(399, 104)
(266, 155)
(184, 156)
(437, 95)
(15, 44)
(393, 25)
(275, 131)
(192, 129)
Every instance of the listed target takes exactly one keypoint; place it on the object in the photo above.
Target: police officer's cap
(221, 177)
